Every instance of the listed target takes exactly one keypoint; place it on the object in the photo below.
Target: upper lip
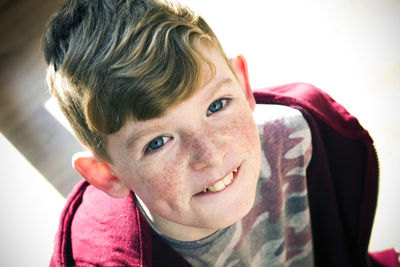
(221, 178)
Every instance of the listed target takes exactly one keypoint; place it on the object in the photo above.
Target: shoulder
(278, 124)
(285, 135)
(267, 113)
(291, 93)
(315, 103)
(98, 229)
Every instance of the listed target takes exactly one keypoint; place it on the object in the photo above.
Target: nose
(207, 148)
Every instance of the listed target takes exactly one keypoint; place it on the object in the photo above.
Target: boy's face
(206, 140)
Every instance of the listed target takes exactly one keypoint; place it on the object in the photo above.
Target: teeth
(218, 186)
(228, 179)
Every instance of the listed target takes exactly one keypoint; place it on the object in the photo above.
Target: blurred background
(350, 49)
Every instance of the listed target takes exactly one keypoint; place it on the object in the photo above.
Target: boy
(190, 177)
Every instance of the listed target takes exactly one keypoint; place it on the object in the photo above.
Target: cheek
(164, 181)
(244, 131)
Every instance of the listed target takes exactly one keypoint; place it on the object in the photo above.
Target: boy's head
(148, 89)
(112, 60)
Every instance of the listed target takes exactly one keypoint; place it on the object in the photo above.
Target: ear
(98, 174)
(239, 65)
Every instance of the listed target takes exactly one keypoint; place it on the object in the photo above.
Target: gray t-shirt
(277, 230)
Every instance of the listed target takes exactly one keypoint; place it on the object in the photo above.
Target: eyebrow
(213, 88)
(134, 137)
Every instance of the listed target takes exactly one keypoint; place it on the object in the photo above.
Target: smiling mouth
(221, 184)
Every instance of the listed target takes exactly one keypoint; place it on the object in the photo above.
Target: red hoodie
(342, 181)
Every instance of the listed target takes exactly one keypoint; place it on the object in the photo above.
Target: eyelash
(149, 150)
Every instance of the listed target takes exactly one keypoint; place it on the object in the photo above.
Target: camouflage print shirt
(277, 230)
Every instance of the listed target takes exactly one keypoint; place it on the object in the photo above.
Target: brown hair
(113, 59)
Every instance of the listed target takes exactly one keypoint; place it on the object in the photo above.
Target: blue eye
(216, 106)
(157, 143)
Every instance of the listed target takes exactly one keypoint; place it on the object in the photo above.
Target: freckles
(166, 181)
(244, 131)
